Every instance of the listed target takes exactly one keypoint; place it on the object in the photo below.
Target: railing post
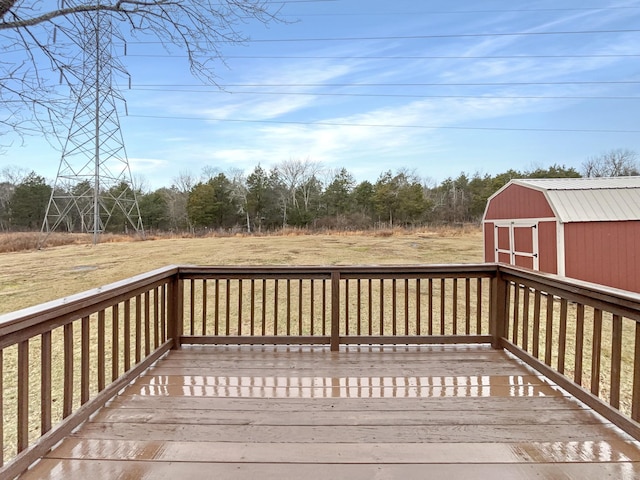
(335, 311)
(175, 309)
(498, 320)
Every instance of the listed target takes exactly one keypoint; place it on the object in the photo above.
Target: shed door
(517, 244)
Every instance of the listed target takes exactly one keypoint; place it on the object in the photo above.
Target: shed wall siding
(489, 247)
(548, 247)
(516, 201)
(604, 252)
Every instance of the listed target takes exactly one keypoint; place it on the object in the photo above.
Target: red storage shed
(584, 228)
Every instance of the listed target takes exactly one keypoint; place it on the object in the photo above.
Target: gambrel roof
(603, 199)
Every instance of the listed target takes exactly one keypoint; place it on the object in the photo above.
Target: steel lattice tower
(93, 186)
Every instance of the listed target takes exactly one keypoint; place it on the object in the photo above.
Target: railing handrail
(618, 301)
(449, 268)
(54, 309)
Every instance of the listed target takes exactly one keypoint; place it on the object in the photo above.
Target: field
(31, 277)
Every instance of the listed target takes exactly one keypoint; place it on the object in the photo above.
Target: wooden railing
(584, 337)
(61, 361)
(336, 305)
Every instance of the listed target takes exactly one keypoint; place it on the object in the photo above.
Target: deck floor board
(363, 412)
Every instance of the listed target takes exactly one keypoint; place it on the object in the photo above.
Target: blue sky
(379, 85)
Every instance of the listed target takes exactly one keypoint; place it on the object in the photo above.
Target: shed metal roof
(604, 199)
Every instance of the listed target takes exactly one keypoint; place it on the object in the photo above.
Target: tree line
(298, 194)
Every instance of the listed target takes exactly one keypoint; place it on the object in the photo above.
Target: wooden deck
(360, 413)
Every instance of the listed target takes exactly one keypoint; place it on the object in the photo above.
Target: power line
(455, 12)
(396, 57)
(393, 95)
(424, 37)
(369, 125)
(442, 35)
(470, 84)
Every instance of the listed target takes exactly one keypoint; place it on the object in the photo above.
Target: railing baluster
(163, 313)
(216, 314)
(127, 334)
(562, 337)
(579, 349)
(264, 307)
(548, 348)
(275, 306)
(503, 306)
(596, 349)
(138, 339)
(467, 306)
(382, 306)
(616, 361)
(192, 306)
(324, 307)
(252, 319)
(115, 346)
(536, 323)
(525, 318)
(479, 304)
(85, 375)
(227, 305)
(442, 306)
(147, 323)
(430, 314)
(23, 395)
(359, 308)
(370, 306)
(516, 314)
(156, 318)
(204, 306)
(418, 307)
(394, 307)
(45, 383)
(101, 350)
(312, 313)
(335, 311)
(239, 307)
(406, 306)
(300, 314)
(454, 298)
(67, 396)
(288, 292)
(346, 306)
(175, 314)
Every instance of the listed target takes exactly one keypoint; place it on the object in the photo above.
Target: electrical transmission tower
(93, 188)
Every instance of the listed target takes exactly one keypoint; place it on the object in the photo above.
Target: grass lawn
(28, 278)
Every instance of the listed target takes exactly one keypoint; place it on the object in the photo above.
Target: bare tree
(177, 197)
(298, 176)
(34, 59)
(13, 174)
(240, 193)
(185, 181)
(614, 163)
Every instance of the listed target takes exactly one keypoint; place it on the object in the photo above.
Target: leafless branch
(32, 64)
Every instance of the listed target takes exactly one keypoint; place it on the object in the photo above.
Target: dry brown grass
(70, 263)
(34, 276)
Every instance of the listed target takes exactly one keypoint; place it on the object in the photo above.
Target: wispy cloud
(351, 141)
